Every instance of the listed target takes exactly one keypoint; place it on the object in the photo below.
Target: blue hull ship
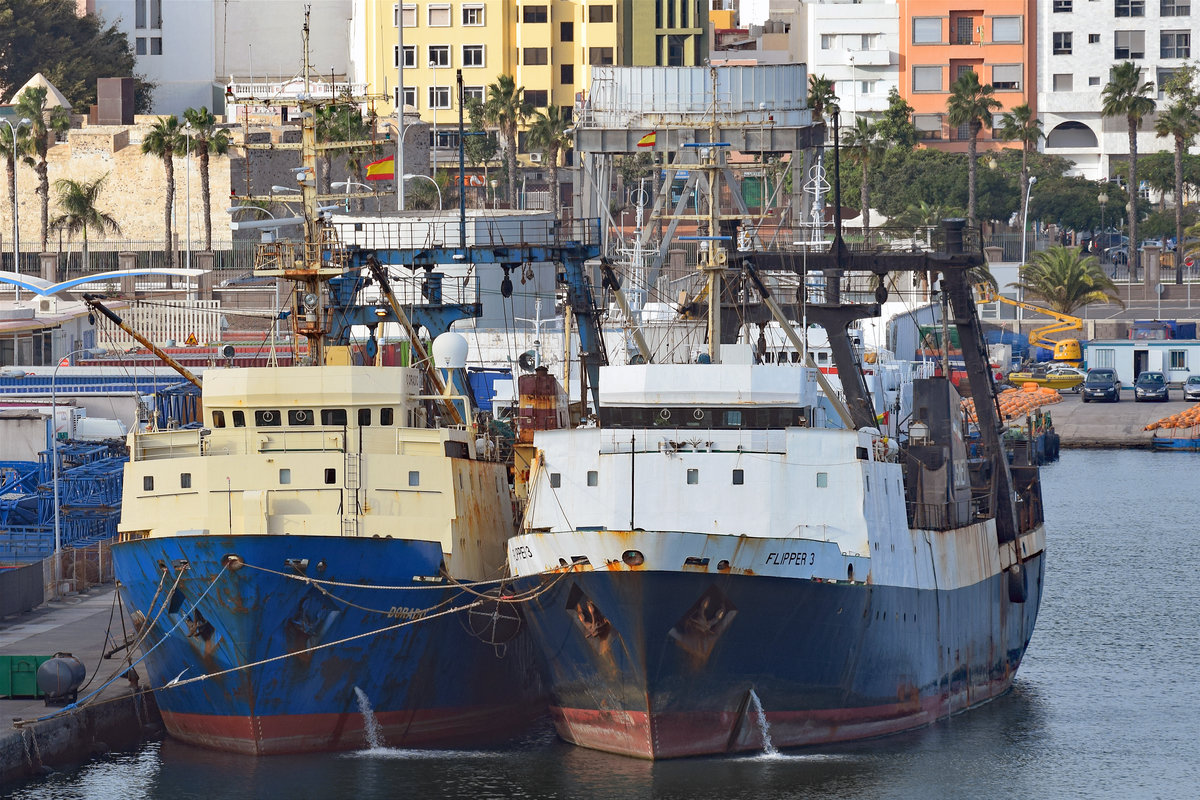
(261, 641)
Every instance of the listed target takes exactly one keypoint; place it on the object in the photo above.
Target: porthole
(665, 413)
(633, 558)
(698, 414)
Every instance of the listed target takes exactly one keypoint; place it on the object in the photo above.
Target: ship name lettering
(404, 612)
(802, 558)
(521, 551)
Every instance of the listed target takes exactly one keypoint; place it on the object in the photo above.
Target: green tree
(864, 148)
(207, 139)
(1020, 125)
(77, 201)
(895, 126)
(821, 96)
(1179, 122)
(480, 149)
(506, 108)
(163, 141)
(549, 133)
(971, 103)
(72, 51)
(1125, 95)
(1065, 280)
(46, 123)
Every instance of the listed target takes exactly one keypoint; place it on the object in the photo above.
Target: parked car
(1102, 384)
(1151, 385)
(1191, 388)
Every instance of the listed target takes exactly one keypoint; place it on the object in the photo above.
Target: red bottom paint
(675, 734)
(306, 733)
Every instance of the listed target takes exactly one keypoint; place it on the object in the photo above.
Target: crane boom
(1038, 336)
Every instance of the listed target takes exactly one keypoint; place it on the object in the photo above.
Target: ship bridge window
(733, 419)
(218, 419)
(386, 415)
(364, 417)
(148, 483)
(300, 416)
(185, 480)
(330, 476)
(239, 419)
(822, 480)
(267, 418)
(693, 477)
(333, 416)
(739, 477)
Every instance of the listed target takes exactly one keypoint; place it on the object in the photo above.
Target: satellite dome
(450, 351)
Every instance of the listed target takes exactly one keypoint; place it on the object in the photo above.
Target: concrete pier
(1103, 425)
(118, 717)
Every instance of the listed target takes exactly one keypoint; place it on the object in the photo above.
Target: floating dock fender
(1017, 590)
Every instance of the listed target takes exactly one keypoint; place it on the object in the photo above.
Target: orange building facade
(941, 39)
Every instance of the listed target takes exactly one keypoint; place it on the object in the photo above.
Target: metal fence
(79, 569)
(21, 589)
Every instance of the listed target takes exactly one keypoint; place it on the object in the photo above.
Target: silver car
(1191, 388)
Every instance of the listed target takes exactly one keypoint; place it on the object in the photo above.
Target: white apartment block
(1079, 41)
(856, 45)
(193, 48)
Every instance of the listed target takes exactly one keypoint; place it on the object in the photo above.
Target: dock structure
(673, 113)
(120, 716)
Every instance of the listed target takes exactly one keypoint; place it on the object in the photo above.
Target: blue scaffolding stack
(89, 489)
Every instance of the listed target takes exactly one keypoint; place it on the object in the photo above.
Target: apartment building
(1079, 42)
(192, 50)
(941, 39)
(856, 45)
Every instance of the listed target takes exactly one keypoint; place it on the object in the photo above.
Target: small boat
(1058, 381)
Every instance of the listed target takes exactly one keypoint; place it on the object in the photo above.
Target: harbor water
(1104, 705)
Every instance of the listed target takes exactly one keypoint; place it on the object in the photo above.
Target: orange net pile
(1016, 403)
(1184, 419)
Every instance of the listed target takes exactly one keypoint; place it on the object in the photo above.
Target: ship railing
(929, 516)
(316, 440)
(444, 230)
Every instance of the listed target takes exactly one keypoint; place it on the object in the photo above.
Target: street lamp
(411, 175)
(187, 133)
(495, 185)
(433, 66)
(1102, 199)
(1024, 237)
(268, 234)
(54, 459)
(12, 130)
(347, 184)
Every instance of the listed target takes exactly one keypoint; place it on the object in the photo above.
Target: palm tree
(1065, 279)
(821, 96)
(207, 139)
(162, 141)
(549, 133)
(77, 200)
(864, 147)
(11, 148)
(1020, 125)
(506, 108)
(1179, 122)
(971, 103)
(1125, 95)
(45, 122)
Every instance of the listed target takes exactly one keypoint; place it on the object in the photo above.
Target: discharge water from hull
(764, 728)
(371, 729)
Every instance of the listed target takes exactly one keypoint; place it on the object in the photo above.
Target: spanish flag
(647, 140)
(381, 170)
